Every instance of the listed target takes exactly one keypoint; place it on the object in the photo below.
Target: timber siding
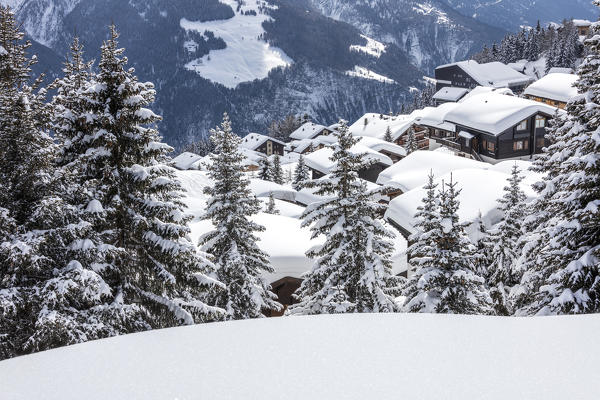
(277, 148)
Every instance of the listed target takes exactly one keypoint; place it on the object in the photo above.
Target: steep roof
(307, 131)
(450, 93)
(252, 141)
(555, 86)
(320, 160)
(382, 145)
(436, 116)
(185, 160)
(494, 74)
(494, 113)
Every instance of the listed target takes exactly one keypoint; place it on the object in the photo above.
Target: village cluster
(486, 119)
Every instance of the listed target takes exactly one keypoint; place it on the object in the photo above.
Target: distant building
(583, 26)
(469, 74)
(310, 130)
(449, 94)
(554, 89)
(262, 144)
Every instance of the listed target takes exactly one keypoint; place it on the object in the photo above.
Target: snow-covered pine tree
(277, 171)
(266, 169)
(156, 275)
(352, 270)
(232, 243)
(388, 135)
(444, 280)
(563, 272)
(301, 174)
(482, 257)
(505, 249)
(411, 141)
(271, 207)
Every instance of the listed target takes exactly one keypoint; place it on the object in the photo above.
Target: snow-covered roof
(320, 160)
(252, 141)
(518, 66)
(581, 22)
(382, 145)
(412, 171)
(251, 157)
(185, 160)
(466, 135)
(554, 86)
(480, 191)
(307, 131)
(494, 74)
(450, 93)
(262, 188)
(560, 70)
(436, 116)
(299, 146)
(486, 89)
(377, 124)
(494, 113)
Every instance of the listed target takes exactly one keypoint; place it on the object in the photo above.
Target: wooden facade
(421, 135)
(521, 140)
(454, 76)
(550, 102)
(270, 147)
(284, 288)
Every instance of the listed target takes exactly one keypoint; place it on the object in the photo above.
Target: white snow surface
(413, 170)
(480, 191)
(252, 141)
(554, 86)
(321, 161)
(185, 160)
(377, 124)
(372, 48)
(246, 57)
(362, 72)
(3, 51)
(450, 93)
(351, 356)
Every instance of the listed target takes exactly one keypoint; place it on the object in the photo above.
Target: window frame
(526, 122)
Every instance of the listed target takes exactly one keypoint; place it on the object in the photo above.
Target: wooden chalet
(470, 74)
(263, 144)
(554, 89)
(310, 130)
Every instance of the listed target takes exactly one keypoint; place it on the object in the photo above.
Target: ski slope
(246, 57)
(362, 357)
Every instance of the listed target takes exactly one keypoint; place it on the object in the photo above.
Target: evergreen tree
(277, 171)
(271, 208)
(505, 244)
(411, 141)
(156, 276)
(444, 280)
(483, 247)
(301, 174)
(388, 135)
(232, 243)
(352, 271)
(562, 269)
(266, 169)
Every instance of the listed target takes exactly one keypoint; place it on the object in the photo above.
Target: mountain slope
(202, 67)
(358, 356)
(430, 31)
(512, 14)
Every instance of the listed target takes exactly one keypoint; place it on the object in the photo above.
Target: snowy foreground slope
(399, 356)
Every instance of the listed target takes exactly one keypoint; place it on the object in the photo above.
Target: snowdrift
(399, 356)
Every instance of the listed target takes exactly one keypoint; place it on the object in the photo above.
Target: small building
(263, 144)
(392, 150)
(583, 26)
(321, 164)
(432, 121)
(186, 160)
(449, 94)
(469, 74)
(310, 130)
(493, 127)
(554, 89)
(306, 146)
(251, 159)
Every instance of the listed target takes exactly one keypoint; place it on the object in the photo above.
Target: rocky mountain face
(260, 60)
(430, 32)
(513, 14)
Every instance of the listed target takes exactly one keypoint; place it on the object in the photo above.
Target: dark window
(541, 142)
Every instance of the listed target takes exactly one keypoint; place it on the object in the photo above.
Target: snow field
(246, 57)
(352, 356)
